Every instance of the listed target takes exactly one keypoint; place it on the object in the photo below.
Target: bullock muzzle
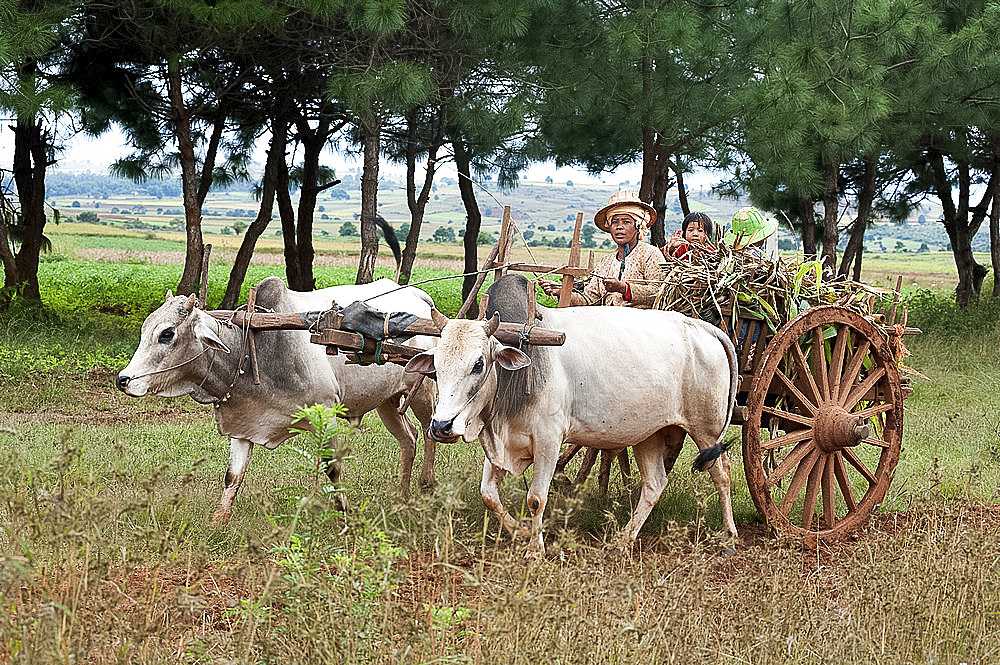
(440, 430)
(121, 382)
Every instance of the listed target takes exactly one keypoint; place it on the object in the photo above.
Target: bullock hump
(508, 297)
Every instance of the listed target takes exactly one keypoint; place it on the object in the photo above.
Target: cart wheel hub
(835, 428)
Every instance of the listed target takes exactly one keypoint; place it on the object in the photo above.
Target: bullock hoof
(219, 519)
(534, 554)
(427, 486)
(727, 550)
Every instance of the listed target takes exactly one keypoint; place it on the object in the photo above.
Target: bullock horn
(170, 294)
(492, 325)
(439, 319)
(190, 303)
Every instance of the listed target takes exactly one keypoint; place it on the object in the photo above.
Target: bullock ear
(170, 294)
(209, 337)
(422, 363)
(512, 359)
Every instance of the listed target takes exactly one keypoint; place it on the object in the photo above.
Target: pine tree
(821, 96)
(639, 80)
(31, 35)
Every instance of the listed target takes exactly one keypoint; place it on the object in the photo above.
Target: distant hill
(547, 209)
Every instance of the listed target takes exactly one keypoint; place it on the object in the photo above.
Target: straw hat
(626, 202)
(749, 226)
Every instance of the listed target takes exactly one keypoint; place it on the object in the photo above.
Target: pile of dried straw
(707, 282)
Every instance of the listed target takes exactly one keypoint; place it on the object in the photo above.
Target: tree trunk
(830, 212)
(286, 212)
(10, 272)
(681, 192)
(662, 184)
(369, 201)
(808, 216)
(855, 244)
(312, 146)
(473, 222)
(417, 203)
(30, 162)
(961, 222)
(995, 236)
(275, 156)
(211, 153)
(181, 118)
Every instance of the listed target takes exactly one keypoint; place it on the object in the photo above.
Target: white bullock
(624, 377)
(185, 351)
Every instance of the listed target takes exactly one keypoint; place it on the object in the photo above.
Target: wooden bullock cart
(820, 403)
(820, 400)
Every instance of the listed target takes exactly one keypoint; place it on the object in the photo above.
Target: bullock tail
(708, 455)
(390, 238)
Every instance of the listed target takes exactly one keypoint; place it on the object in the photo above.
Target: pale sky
(95, 154)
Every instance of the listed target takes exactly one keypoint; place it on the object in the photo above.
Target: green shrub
(938, 314)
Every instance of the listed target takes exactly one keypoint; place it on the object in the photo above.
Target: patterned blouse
(643, 274)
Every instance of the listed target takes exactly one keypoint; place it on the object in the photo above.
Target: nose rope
(167, 369)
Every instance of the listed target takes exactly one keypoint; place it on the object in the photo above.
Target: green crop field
(106, 555)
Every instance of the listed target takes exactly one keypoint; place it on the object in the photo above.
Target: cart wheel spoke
(837, 360)
(795, 392)
(787, 464)
(788, 415)
(798, 480)
(829, 505)
(875, 442)
(819, 362)
(846, 489)
(787, 439)
(802, 367)
(872, 411)
(862, 389)
(853, 370)
(812, 491)
(855, 461)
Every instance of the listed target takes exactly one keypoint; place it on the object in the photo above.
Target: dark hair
(706, 224)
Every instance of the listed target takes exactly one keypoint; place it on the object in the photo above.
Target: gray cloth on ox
(364, 320)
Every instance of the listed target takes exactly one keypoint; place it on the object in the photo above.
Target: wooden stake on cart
(503, 244)
(566, 290)
(532, 313)
(474, 293)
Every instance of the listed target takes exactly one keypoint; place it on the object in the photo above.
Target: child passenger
(696, 230)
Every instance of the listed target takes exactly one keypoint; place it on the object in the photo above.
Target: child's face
(695, 233)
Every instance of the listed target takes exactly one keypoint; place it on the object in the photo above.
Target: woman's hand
(614, 286)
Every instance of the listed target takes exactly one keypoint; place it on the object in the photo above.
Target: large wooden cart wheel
(824, 424)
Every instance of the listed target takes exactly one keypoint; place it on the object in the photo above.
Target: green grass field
(106, 556)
